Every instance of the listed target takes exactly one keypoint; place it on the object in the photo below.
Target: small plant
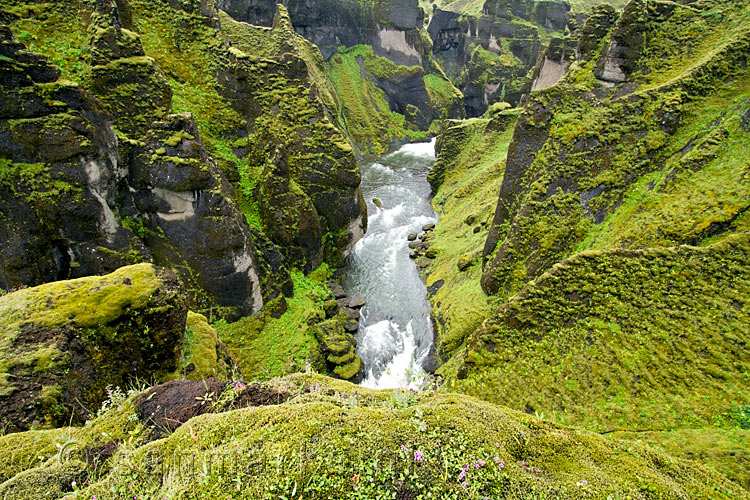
(115, 397)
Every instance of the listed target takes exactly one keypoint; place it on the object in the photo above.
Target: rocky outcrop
(63, 343)
(337, 344)
(618, 61)
(160, 198)
(309, 197)
(489, 56)
(392, 29)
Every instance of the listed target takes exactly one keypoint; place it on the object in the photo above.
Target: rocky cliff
(489, 55)
(392, 29)
(158, 185)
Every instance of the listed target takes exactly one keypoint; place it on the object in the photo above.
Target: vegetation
(428, 445)
(268, 346)
(468, 174)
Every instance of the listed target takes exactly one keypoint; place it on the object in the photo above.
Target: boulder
(337, 345)
(356, 302)
(63, 343)
(411, 237)
(428, 227)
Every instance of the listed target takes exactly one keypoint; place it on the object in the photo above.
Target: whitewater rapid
(395, 333)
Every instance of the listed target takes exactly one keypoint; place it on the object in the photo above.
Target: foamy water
(395, 334)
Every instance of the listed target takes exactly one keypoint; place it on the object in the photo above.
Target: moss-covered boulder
(63, 343)
(203, 354)
(337, 345)
(333, 439)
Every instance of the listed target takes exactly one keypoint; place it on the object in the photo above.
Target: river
(395, 332)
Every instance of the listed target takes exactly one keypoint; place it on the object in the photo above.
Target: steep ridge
(616, 258)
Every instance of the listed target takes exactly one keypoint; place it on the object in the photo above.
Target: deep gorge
(340, 249)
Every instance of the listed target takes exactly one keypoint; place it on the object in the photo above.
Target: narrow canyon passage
(395, 333)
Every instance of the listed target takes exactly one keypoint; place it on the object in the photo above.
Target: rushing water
(395, 333)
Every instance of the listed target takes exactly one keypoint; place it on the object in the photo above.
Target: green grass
(364, 108)
(473, 174)
(57, 30)
(726, 451)
(267, 346)
(622, 339)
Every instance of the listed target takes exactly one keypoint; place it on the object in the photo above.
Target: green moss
(57, 30)
(34, 182)
(364, 108)
(470, 161)
(347, 370)
(725, 450)
(84, 302)
(202, 349)
(266, 346)
(339, 440)
(621, 339)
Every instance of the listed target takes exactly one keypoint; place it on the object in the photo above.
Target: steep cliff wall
(392, 29)
(488, 55)
(160, 184)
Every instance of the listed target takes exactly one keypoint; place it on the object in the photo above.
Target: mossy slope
(622, 339)
(658, 160)
(321, 442)
(466, 178)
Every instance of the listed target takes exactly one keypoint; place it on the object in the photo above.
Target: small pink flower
(464, 484)
(418, 456)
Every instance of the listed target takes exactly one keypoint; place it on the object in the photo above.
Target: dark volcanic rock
(390, 28)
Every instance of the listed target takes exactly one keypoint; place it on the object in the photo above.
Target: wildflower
(497, 460)
(464, 484)
(404, 448)
(461, 476)
(238, 385)
(418, 456)
(501, 465)
(582, 483)
(497, 445)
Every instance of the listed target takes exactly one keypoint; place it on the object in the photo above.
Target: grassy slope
(321, 444)
(473, 161)
(266, 346)
(364, 108)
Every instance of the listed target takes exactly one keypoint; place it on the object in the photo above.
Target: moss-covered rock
(335, 439)
(203, 354)
(337, 346)
(63, 343)
(622, 339)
